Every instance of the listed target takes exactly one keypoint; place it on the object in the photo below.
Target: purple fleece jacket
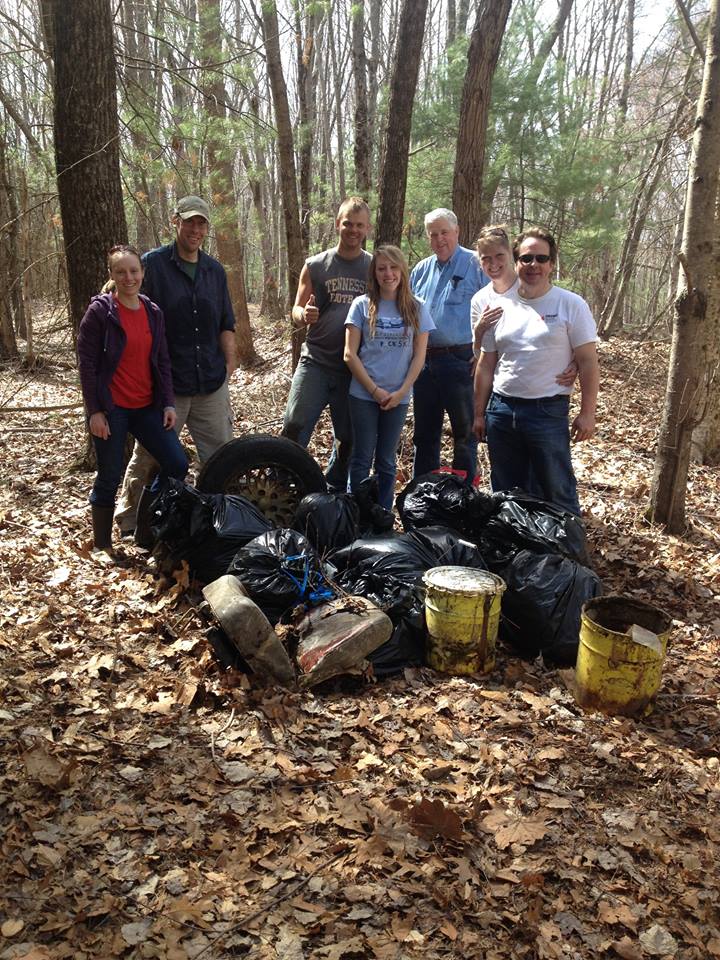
(101, 341)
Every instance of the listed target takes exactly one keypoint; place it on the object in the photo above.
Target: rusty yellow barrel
(621, 653)
(462, 612)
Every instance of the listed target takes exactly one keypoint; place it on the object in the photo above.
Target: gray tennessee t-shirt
(336, 282)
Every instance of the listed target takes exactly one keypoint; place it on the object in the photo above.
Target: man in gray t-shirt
(329, 282)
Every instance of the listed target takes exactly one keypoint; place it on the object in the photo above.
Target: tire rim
(275, 491)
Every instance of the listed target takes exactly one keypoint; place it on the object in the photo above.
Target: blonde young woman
(386, 334)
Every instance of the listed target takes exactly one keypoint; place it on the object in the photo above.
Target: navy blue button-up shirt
(196, 313)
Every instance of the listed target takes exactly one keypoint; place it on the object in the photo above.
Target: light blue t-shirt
(447, 289)
(386, 356)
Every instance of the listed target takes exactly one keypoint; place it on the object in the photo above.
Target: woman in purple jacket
(126, 384)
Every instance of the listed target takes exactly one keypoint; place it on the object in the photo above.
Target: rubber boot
(143, 534)
(102, 522)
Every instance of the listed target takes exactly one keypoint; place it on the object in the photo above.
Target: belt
(451, 348)
(512, 400)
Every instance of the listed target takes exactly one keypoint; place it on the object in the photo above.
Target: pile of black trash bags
(347, 542)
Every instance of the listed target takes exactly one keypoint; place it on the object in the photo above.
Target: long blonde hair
(406, 302)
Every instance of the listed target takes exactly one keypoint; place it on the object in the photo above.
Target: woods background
(576, 115)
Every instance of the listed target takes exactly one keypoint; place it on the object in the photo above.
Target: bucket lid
(463, 580)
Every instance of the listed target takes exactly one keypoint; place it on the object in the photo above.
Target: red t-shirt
(131, 385)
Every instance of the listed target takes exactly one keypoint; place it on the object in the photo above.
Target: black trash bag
(444, 499)
(542, 603)
(328, 520)
(403, 554)
(448, 548)
(280, 570)
(205, 529)
(389, 570)
(373, 517)
(522, 522)
(401, 596)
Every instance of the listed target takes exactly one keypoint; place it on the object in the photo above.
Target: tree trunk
(482, 59)
(10, 270)
(87, 154)
(306, 83)
(694, 338)
(394, 162)
(611, 319)
(222, 187)
(362, 149)
(286, 159)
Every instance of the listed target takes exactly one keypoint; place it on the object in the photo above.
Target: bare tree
(403, 83)
(286, 157)
(482, 58)
(87, 153)
(694, 330)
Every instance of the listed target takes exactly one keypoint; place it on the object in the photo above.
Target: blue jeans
(376, 432)
(445, 383)
(145, 424)
(313, 388)
(529, 447)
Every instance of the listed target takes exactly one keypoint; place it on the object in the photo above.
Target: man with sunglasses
(519, 406)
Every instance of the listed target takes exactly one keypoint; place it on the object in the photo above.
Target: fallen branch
(57, 406)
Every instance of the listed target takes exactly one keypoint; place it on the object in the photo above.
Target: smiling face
(388, 276)
(534, 277)
(352, 226)
(190, 235)
(444, 237)
(497, 264)
(127, 272)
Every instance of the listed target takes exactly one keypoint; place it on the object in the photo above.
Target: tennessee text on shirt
(550, 317)
(346, 285)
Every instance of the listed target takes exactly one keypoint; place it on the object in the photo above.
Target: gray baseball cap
(192, 207)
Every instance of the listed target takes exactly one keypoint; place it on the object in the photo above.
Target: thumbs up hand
(310, 311)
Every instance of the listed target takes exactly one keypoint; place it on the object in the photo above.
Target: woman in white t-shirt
(386, 334)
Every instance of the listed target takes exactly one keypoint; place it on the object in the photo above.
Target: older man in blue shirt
(446, 282)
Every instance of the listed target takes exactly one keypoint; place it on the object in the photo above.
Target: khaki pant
(209, 419)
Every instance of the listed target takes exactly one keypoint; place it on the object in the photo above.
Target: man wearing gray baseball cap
(190, 287)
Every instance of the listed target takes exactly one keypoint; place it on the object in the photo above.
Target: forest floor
(152, 805)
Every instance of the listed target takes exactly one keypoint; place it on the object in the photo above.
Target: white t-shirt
(486, 297)
(534, 340)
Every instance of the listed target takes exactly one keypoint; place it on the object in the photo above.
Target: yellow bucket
(462, 612)
(620, 658)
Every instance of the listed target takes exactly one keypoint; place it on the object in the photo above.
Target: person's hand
(169, 418)
(488, 318)
(230, 369)
(479, 426)
(568, 376)
(583, 427)
(99, 426)
(391, 400)
(310, 311)
(379, 395)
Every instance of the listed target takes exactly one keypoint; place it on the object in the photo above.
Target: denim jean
(529, 447)
(145, 424)
(313, 388)
(445, 383)
(209, 419)
(376, 433)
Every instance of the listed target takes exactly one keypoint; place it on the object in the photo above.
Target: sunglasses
(529, 257)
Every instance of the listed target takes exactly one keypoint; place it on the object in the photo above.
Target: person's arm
(229, 349)
(481, 324)
(304, 311)
(568, 376)
(353, 339)
(417, 363)
(583, 426)
(484, 376)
